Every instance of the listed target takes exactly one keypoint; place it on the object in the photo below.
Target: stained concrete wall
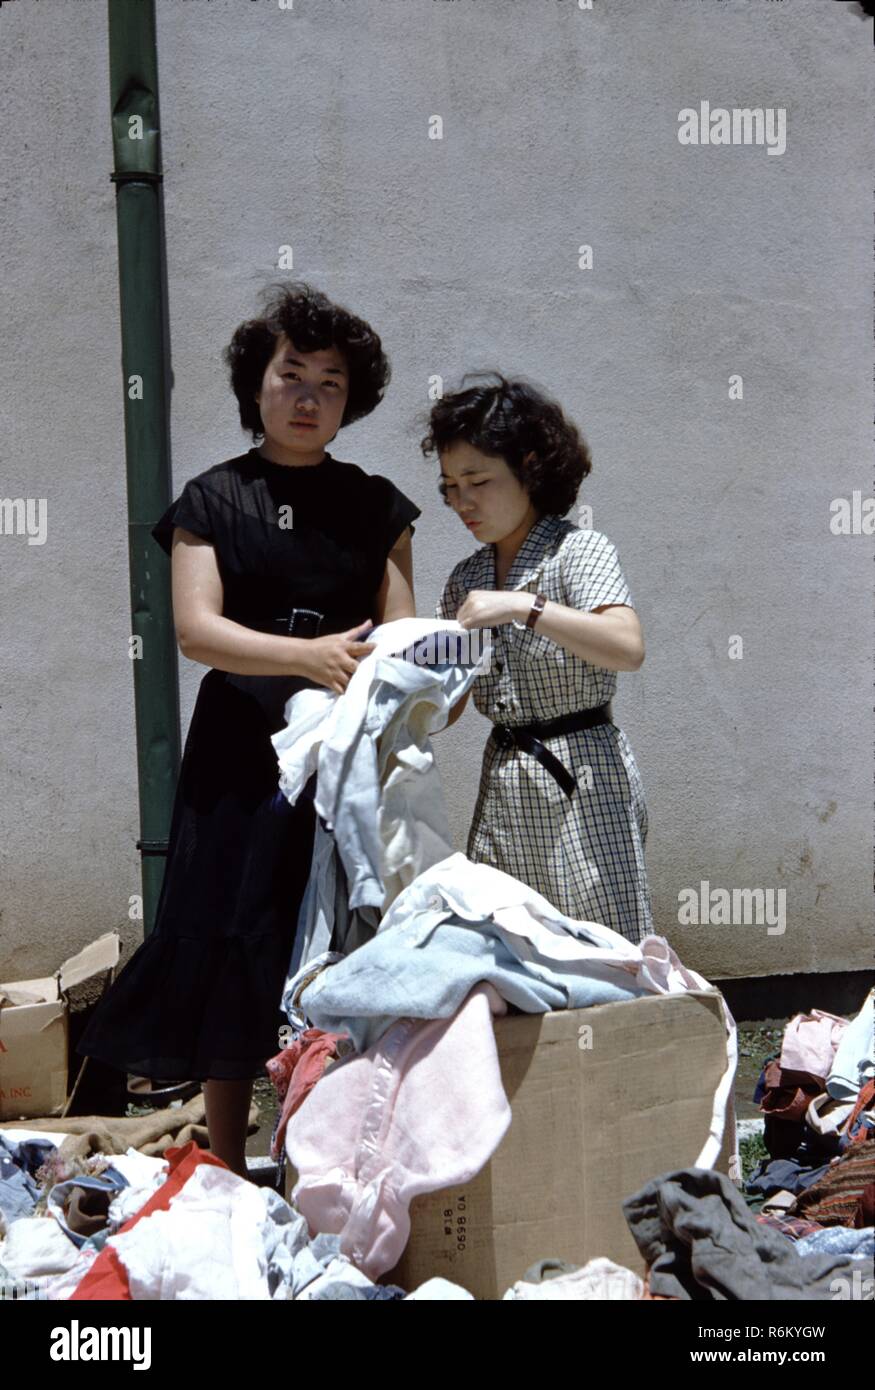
(310, 126)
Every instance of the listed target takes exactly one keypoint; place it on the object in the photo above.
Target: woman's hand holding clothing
(332, 660)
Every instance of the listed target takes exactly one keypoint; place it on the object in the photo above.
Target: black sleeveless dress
(200, 998)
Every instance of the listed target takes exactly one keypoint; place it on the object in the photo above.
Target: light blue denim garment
(839, 1240)
(349, 781)
(427, 967)
(325, 919)
(387, 712)
(18, 1191)
(109, 1181)
(406, 701)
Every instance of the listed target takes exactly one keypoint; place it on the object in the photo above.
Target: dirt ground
(264, 1095)
(757, 1042)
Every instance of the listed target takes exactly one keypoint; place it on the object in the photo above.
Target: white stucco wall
(310, 127)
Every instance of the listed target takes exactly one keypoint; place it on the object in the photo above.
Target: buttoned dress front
(584, 853)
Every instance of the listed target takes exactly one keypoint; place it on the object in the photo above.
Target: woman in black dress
(284, 539)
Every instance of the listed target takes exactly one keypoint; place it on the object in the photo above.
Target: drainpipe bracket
(152, 846)
(136, 176)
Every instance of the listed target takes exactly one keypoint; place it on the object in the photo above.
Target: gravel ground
(264, 1095)
(757, 1042)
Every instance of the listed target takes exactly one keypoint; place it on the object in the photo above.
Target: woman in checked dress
(561, 803)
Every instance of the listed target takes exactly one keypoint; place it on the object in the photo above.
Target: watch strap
(536, 609)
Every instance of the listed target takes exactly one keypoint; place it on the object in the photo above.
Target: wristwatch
(536, 609)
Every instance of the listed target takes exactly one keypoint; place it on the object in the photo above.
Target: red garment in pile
(295, 1071)
(107, 1279)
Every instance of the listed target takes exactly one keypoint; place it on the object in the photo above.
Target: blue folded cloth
(783, 1175)
(839, 1240)
(19, 1162)
(397, 976)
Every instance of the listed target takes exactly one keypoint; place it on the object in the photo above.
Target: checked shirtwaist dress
(585, 853)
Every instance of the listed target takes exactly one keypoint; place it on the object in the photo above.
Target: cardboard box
(595, 1116)
(34, 1031)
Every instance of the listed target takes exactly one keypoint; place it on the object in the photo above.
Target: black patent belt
(272, 692)
(299, 622)
(528, 738)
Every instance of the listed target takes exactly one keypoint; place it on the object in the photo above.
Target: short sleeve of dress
(395, 511)
(452, 598)
(190, 511)
(591, 572)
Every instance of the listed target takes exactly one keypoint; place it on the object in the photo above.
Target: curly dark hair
(509, 420)
(312, 322)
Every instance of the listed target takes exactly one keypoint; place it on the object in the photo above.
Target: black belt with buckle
(528, 738)
(300, 622)
(272, 692)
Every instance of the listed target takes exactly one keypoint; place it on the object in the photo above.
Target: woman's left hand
(493, 607)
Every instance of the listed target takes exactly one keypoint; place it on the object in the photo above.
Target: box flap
(92, 960)
(29, 992)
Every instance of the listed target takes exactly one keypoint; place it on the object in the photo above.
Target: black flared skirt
(200, 998)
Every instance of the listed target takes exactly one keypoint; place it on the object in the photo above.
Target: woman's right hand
(333, 660)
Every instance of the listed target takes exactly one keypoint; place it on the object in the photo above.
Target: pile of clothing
(390, 1086)
(74, 1170)
(182, 1226)
(818, 1098)
(405, 953)
(701, 1241)
(806, 1230)
(84, 1227)
(420, 1105)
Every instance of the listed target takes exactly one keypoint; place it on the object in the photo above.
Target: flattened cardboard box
(595, 1116)
(34, 1031)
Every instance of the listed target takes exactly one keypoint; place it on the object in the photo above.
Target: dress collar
(540, 542)
(285, 469)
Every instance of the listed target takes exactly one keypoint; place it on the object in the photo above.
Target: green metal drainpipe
(137, 176)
